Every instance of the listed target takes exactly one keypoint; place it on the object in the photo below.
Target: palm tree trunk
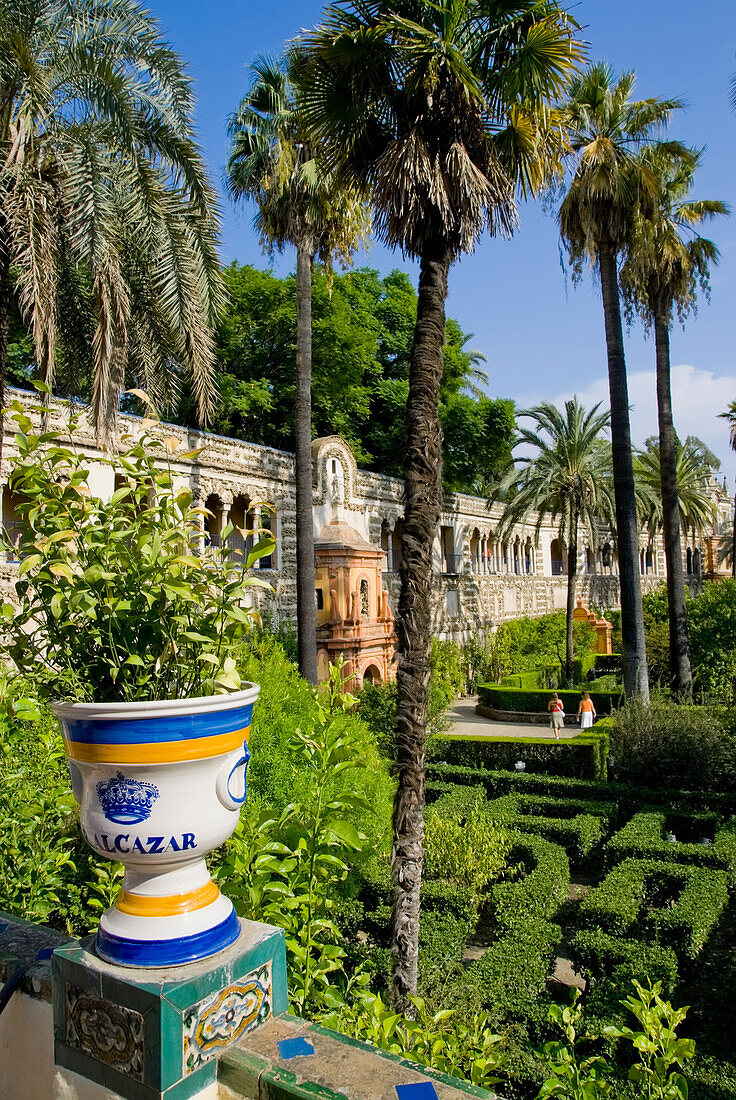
(680, 670)
(636, 680)
(5, 302)
(572, 569)
(306, 612)
(423, 493)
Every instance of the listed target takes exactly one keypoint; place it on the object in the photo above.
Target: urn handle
(227, 771)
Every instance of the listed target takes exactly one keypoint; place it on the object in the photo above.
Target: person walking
(556, 714)
(586, 711)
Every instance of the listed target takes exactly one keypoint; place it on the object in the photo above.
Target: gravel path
(464, 720)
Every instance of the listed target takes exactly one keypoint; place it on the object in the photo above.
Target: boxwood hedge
(672, 904)
(579, 835)
(512, 974)
(582, 757)
(529, 700)
(628, 797)
(540, 890)
(599, 954)
(644, 838)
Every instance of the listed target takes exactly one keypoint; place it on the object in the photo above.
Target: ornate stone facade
(479, 580)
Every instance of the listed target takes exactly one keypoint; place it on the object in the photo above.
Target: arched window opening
(475, 557)
(557, 555)
(213, 520)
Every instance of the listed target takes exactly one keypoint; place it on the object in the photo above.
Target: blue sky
(543, 337)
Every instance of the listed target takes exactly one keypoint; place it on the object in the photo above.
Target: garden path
(463, 721)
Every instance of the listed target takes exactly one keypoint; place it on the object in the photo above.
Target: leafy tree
(666, 260)
(438, 111)
(274, 162)
(562, 479)
(365, 324)
(610, 180)
(108, 223)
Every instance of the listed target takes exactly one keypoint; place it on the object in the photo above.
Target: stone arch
(326, 451)
(557, 557)
(372, 674)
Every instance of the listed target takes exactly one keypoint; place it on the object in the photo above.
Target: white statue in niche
(336, 491)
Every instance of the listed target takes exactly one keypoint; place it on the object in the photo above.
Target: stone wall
(479, 583)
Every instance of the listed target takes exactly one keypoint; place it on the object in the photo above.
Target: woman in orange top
(586, 711)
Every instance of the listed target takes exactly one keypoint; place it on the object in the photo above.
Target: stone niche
(353, 614)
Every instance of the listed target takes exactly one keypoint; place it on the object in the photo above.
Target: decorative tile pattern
(225, 1016)
(104, 1031)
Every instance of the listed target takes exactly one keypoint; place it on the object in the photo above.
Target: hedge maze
(658, 872)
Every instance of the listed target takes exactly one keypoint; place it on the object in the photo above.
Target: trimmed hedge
(600, 954)
(579, 835)
(643, 838)
(541, 890)
(526, 681)
(608, 662)
(504, 698)
(626, 903)
(583, 757)
(513, 972)
(629, 797)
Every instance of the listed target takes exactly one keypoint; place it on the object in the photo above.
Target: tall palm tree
(607, 131)
(563, 479)
(106, 211)
(666, 260)
(730, 416)
(273, 161)
(439, 110)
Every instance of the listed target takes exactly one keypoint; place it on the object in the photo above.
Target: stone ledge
(339, 1067)
(20, 943)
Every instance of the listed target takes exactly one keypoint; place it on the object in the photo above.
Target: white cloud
(698, 396)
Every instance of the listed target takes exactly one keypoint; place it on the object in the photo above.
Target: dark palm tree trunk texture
(680, 670)
(414, 622)
(305, 603)
(5, 301)
(636, 680)
(572, 569)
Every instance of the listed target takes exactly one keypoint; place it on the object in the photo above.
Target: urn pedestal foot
(168, 919)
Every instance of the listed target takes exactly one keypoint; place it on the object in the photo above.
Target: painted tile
(109, 1033)
(294, 1048)
(225, 1016)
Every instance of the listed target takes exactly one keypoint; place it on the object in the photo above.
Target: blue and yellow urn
(159, 785)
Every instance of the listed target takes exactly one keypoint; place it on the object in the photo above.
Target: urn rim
(157, 708)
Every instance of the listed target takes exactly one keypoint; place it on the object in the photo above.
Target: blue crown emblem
(126, 801)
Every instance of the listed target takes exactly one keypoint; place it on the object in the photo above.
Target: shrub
(600, 953)
(541, 889)
(500, 697)
(512, 974)
(675, 905)
(643, 838)
(578, 835)
(467, 851)
(608, 662)
(629, 797)
(683, 746)
(584, 757)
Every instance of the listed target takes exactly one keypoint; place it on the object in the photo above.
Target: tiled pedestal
(150, 1034)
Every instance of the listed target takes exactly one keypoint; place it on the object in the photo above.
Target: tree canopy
(363, 326)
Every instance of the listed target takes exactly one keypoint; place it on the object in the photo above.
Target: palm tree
(272, 161)
(696, 509)
(106, 212)
(666, 260)
(730, 416)
(562, 480)
(438, 110)
(607, 131)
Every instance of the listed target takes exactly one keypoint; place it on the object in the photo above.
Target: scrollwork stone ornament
(104, 1031)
